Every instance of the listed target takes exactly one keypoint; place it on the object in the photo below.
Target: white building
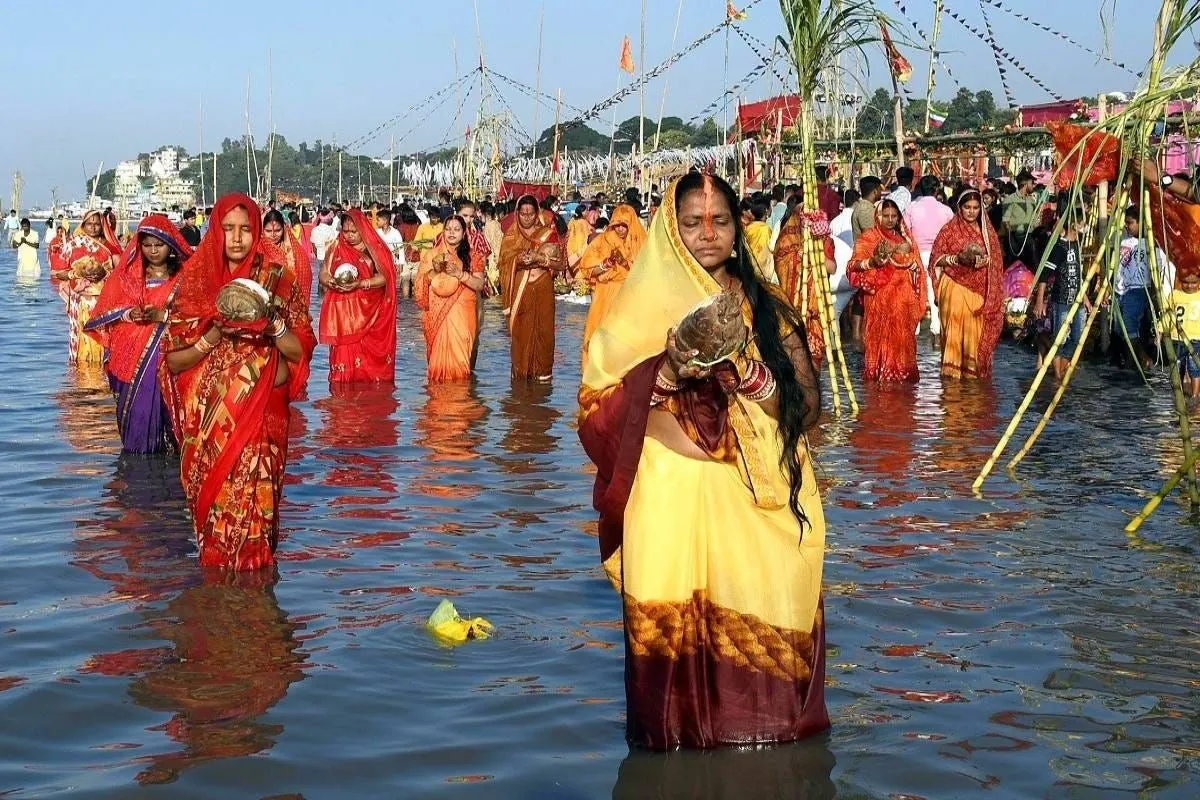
(153, 180)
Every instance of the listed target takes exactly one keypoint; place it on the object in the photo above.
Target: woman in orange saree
(789, 266)
(447, 290)
(279, 233)
(130, 322)
(886, 268)
(78, 267)
(529, 256)
(358, 319)
(235, 382)
(970, 291)
(607, 261)
(711, 524)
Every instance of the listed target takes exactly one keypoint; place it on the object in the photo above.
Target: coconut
(345, 274)
(715, 328)
(87, 267)
(243, 300)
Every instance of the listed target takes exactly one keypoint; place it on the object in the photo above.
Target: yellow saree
(721, 584)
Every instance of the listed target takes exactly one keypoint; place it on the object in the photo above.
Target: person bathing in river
(711, 524)
(130, 322)
(236, 384)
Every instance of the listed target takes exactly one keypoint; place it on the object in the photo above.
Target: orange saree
(450, 321)
(616, 256)
(528, 294)
(789, 266)
(970, 299)
(893, 304)
(233, 406)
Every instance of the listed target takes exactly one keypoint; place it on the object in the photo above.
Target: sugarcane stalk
(1172, 360)
(1059, 338)
(1066, 380)
(1152, 505)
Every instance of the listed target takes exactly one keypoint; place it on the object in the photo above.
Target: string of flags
(1059, 34)
(991, 41)
(1000, 51)
(937, 55)
(571, 168)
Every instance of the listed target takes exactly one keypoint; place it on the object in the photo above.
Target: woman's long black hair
(463, 251)
(773, 318)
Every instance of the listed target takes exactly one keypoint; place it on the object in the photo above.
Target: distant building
(153, 180)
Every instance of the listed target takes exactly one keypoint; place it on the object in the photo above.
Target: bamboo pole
(249, 140)
(537, 84)
(202, 151)
(392, 170)
(662, 106)
(270, 124)
(554, 161)
(933, 40)
(643, 182)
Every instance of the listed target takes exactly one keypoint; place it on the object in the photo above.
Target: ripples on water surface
(1014, 646)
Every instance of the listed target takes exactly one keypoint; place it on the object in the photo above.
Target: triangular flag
(732, 13)
(627, 57)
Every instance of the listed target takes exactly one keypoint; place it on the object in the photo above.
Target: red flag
(627, 57)
(901, 69)
(732, 13)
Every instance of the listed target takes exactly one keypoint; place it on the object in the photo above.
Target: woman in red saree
(447, 290)
(279, 233)
(886, 268)
(711, 524)
(970, 291)
(78, 266)
(130, 322)
(358, 319)
(789, 266)
(606, 262)
(235, 383)
(529, 256)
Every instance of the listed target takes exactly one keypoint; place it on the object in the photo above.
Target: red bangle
(759, 383)
(662, 390)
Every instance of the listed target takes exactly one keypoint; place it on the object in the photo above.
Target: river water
(1017, 645)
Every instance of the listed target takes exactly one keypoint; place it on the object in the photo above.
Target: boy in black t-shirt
(1063, 274)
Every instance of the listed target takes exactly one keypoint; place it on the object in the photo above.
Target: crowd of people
(206, 332)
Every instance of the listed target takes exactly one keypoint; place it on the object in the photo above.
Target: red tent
(1061, 111)
(511, 190)
(764, 115)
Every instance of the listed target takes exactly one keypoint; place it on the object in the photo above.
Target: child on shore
(1184, 324)
(1059, 284)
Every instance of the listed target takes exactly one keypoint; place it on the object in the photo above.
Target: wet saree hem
(699, 675)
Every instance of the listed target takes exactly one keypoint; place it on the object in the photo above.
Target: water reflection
(967, 429)
(530, 417)
(358, 436)
(86, 412)
(881, 442)
(800, 770)
(233, 656)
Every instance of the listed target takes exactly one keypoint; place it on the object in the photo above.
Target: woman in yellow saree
(447, 290)
(606, 263)
(710, 520)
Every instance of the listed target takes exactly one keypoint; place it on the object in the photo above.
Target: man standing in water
(1020, 218)
(11, 225)
(25, 242)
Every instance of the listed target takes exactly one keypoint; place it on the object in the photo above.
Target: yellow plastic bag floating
(446, 624)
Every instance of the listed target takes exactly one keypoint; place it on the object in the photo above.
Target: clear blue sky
(127, 76)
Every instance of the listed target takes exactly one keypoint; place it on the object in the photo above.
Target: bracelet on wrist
(759, 384)
(278, 328)
(204, 346)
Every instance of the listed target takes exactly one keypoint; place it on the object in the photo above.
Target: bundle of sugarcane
(1119, 149)
(818, 33)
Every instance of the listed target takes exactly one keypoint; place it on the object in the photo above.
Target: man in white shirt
(323, 235)
(391, 237)
(12, 224)
(902, 194)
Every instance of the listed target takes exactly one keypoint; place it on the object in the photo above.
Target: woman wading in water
(710, 521)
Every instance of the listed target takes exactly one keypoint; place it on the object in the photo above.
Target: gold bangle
(204, 346)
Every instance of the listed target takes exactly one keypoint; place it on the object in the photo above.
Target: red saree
(450, 321)
(970, 300)
(233, 418)
(360, 326)
(893, 305)
(528, 296)
(296, 253)
(134, 349)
